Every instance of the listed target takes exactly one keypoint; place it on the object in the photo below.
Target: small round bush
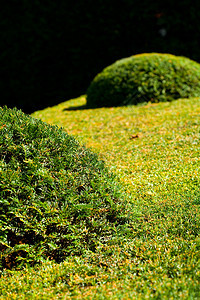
(56, 197)
(150, 77)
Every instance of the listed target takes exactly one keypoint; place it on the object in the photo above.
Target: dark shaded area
(76, 107)
(52, 50)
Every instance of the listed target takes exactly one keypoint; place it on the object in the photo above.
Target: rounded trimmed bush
(145, 77)
(56, 197)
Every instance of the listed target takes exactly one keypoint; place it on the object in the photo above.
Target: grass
(154, 148)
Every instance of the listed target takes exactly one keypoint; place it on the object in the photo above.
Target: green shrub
(56, 197)
(147, 77)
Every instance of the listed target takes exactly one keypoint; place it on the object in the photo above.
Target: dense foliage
(56, 197)
(145, 77)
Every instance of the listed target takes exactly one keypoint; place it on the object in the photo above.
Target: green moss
(56, 197)
(145, 77)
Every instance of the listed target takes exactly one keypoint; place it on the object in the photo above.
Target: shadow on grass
(81, 107)
(84, 107)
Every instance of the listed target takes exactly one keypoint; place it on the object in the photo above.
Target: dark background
(51, 50)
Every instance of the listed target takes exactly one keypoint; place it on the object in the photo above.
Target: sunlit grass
(154, 148)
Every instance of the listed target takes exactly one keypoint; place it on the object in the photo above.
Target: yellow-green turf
(155, 150)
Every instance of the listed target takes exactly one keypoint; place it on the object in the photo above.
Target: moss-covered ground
(155, 150)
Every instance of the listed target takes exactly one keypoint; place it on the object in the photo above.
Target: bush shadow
(74, 108)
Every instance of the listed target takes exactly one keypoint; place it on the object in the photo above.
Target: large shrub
(145, 77)
(56, 197)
